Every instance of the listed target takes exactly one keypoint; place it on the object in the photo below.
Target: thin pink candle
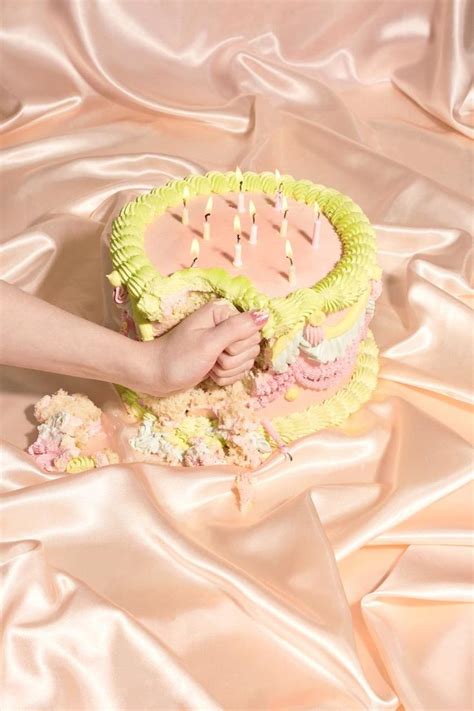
(241, 198)
(185, 213)
(254, 227)
(278, 194)
(237, 247)
(207, 224)
(316, 227)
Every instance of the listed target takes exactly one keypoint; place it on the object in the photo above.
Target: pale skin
(214, 341)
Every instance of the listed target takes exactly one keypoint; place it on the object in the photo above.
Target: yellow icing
(80, 464)
(349, 318)
(284, 341)
(114, 278)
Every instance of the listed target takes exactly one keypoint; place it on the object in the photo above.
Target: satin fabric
(348, 584)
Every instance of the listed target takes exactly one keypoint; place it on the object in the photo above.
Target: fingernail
(259, 317)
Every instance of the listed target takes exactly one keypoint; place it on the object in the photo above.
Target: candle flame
(277, 175)
(252, 209)
(194, 248)
(209, 206)
(238, 174)
(186, 193)
(237, 225)
(288, 249)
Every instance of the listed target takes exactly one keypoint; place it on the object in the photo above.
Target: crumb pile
(68, 423)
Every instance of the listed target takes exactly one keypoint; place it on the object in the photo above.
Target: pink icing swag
(309, 374)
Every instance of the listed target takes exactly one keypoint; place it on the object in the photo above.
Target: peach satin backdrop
(348, 585)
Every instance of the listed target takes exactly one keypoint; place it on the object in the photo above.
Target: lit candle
(289, 256)
(185, 215)
(316, 226)
(279, 190)
(254, 227)
(207, 224)
(241, 200)
(238, 247)
(194, 251)
(284, 222)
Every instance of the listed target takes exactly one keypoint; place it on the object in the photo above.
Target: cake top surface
(168, 242)
(345, 285)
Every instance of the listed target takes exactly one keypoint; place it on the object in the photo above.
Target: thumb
(238, 327)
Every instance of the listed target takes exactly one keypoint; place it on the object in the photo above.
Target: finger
(230, 362)
(222, 309)
(226, 381)
(239, 327)
(211, 314)
(228, 373)
(244, 345)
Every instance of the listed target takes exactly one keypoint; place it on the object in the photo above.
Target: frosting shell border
(342, 287)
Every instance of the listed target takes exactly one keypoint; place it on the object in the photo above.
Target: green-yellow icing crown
(147, 288)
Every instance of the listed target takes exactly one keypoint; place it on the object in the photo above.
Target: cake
(173, 249)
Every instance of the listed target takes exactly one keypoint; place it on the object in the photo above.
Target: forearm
(40, 336)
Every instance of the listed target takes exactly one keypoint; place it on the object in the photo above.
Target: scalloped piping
(341, 288)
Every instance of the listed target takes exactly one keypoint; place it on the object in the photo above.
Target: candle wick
(285, 214)
(194, 262)
(241, 184)
(207, 215)
(238, 239)
(253, 218)
(291, 261)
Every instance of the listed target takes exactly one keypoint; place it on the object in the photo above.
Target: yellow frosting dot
(292, 393)
(114, 278)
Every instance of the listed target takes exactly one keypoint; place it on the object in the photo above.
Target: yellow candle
(241, 198)
(185, 214)
(316, 226)
(207, 224)
(284, 222)
(238, 247)
(278, 193)
(254, 227)
(194, 251)
(292, 268)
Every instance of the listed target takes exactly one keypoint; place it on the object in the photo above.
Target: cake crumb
(245, 493)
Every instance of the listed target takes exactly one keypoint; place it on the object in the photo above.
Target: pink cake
(318, 360)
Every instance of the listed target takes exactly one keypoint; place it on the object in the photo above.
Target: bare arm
(40, 336)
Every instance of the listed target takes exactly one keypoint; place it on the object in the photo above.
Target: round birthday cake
(301, 252)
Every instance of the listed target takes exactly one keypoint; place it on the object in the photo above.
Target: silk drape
(348, 584)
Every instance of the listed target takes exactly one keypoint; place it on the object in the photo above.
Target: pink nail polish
(259, 317)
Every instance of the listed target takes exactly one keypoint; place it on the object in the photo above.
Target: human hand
(214, 341)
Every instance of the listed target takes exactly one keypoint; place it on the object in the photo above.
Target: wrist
(143, 368)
